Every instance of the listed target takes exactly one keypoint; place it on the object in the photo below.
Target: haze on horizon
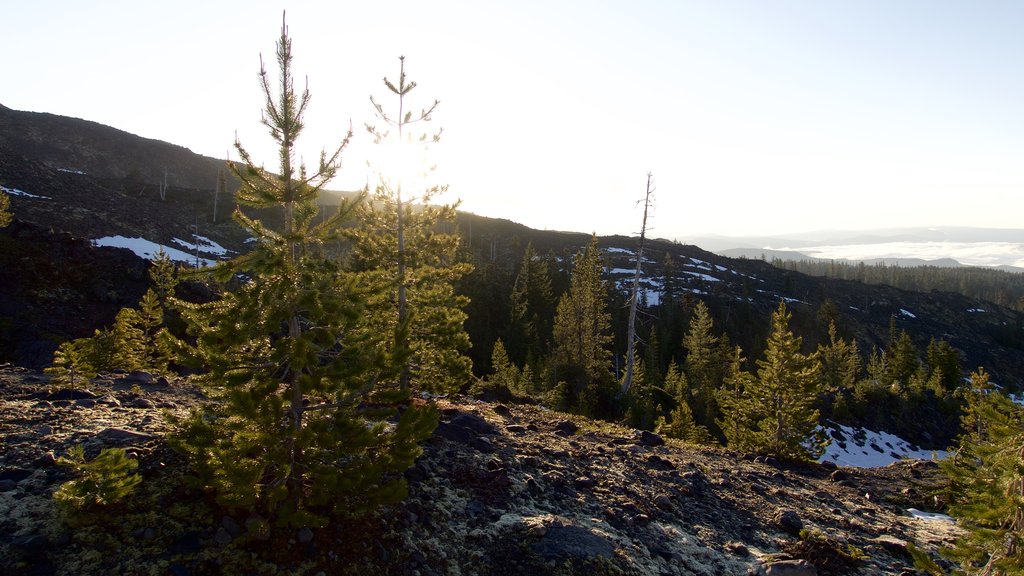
(755, 118)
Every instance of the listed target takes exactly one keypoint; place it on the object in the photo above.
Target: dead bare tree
(627, 382)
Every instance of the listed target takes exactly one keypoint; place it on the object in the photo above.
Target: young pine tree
(986, 475)
(401, 243)
(702, 365)
(296, 427)
(774, 414)
(582, 329)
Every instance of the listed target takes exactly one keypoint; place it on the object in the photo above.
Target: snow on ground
(907, 313)
(975, 309)
(206, 245)
(148, 250)
(614, 250)
(16, 192)
(71, 171)
(706, 277)
(862, 448)
(934, 516)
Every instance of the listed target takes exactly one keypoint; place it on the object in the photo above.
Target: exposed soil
(500, 489)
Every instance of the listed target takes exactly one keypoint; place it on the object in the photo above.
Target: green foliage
(299, 425)
(680, 423)
(582, 332)
(106, 479)
(923, 562)
(986, 475)
(532, 309)
(5, 207)
(71, 365)
(506, 378)
(703, 365)
(401, 245)
(774, 413)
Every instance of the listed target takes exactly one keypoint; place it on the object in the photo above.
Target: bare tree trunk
(627, 382)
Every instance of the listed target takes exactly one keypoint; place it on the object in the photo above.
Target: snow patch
(863, 448)
(16, 192)
(71, 171)
(907, 313)
(975, 310)
(146, 249)
(205, 245)
(706, 277)
(933, 516)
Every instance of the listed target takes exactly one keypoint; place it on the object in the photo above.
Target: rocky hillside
(500, 489)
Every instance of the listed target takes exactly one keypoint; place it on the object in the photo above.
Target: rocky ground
(500, 489)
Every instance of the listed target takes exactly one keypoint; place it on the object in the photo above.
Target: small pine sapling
(103, 481)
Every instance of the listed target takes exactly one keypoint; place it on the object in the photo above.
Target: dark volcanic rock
(571, 541)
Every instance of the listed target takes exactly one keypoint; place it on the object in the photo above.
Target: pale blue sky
(754, 116)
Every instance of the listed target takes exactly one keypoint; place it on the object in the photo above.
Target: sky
(754, 117)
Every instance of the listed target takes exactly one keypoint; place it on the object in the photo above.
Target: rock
(142, 403)
(120, 435)
(650, 439)
(85, 403)
(109, 400)
(186, 543)
(141, 377)
(222, 537)
(71, 394)
(516, 429)
(178, 570)
(15, 474)
(738, 548)
(570, 541)
(790, 568)
(566, 428)
(482, 444)
(473, 422)
(838, 476)
(789, 521)
(585, 482)
(46, 460)
(892, 544)
(659, 463)
(663, 501)
(232, 527)
(30, 546)
(7, 485)
(44, 430)
(502, 410)
(305, 534)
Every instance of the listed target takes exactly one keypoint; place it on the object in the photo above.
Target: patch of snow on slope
(16, 192)
(206, 245)
(615, 250)
(146, 249)
(934, 516)
(70, 171)
(907, 313)
(706, 277)
(862, 448)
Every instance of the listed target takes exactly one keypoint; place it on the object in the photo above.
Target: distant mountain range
(1001, 248)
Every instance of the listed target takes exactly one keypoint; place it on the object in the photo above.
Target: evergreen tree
(778, 405)
(70, 365)
(680, 423)
(505, 378)
(986, 476)
(297, 427)
(401, 243)
(532, 309)
(582, 330)
(640, 412)
(702, 365)
(106, 479)
(840, 368)
(945, 360)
